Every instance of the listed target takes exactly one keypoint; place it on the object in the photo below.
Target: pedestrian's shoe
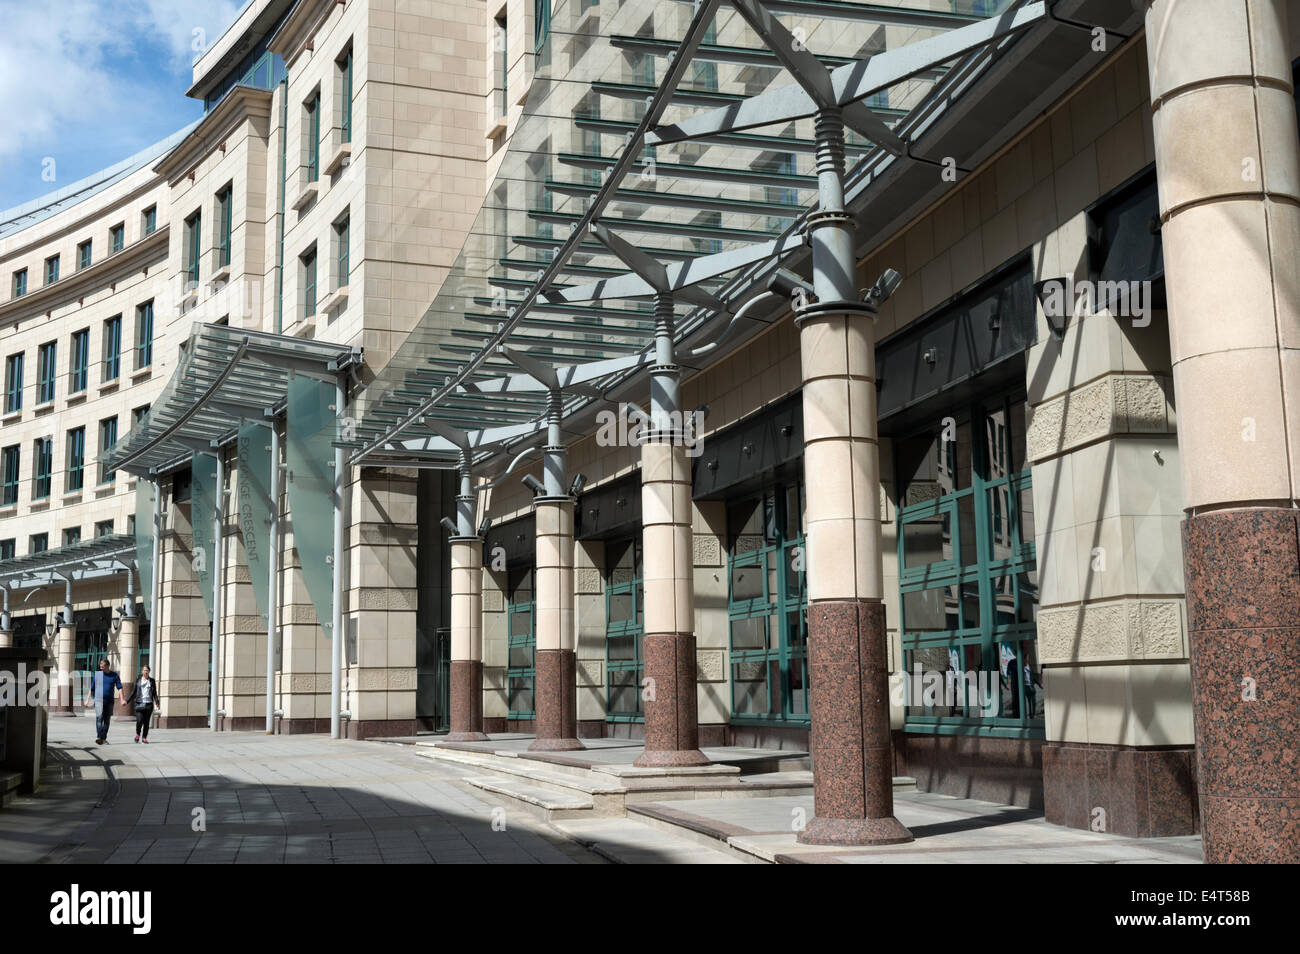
(137, 738)
(99, 741)
(145, 741)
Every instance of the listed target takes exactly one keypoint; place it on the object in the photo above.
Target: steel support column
(466, 669)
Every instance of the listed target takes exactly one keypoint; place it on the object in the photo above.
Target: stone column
(1229, 168)
(847, 651)
(672, 725)
(6, 639)
(555, 661)
(128, 645)
(67, 647)
(466, 640)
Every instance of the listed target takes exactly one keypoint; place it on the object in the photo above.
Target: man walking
(103, 685)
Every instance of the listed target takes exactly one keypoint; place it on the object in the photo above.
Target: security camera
(787, 284)
(483, 526)
(451, 527)
(533, 484)
(885, 286)
(579, 481)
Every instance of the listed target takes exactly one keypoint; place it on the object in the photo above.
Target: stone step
(586, 783)
(10, 782)
(629, 841)
(543, 803)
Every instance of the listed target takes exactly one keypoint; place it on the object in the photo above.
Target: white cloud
(104, 69)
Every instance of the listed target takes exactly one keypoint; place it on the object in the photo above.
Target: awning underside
(578, 155)
(225, 375)
(90, 559)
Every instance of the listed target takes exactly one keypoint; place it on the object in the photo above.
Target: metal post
(336, 618)
(218, 519)
(157, 578)
(273, 587)
(128, 609)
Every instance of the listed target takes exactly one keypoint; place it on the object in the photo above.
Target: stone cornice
(242, 102)
(298, 28)
(41, 301)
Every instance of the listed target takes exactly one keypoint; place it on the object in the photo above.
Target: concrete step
(543, 803)
(538, 773)
(629, 841)
(10, 782)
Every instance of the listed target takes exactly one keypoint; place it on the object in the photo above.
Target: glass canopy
(224, 375)
(607, 72)
(90, 559)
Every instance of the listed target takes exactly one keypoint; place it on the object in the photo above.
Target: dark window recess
(958, 341)
(612, 509)
(517, 539)
(1124, 241)
(763, 447)
(181, 481)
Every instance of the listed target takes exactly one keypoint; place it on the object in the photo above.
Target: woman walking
(144, 696)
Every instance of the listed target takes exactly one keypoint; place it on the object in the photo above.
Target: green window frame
(501, 40)
(13, 458)
(767, 607)
(43, 466)
(104, 528)
(542, 31)
(14, 382)
(51, 269)
(193, 248)
(107, 438)
(47, 360)
(345, 96)
(112, 348)
(309, 282)
(116, 239)
(79, 373)
(968, 580)
(71, 536)
(8, 548)
(84, 254)
(149, 219)
(521, 643)
(225, 209)
(705, 72)
(20, 283)
(624, 631)
(76, 460)
(311, 125)
(38, 543)
(342, 251)
(144, 335)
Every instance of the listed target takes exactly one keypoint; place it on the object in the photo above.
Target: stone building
(908, 382)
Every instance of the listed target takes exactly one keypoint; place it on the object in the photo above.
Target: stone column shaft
(672, 734)
(554, 659)
(466, 640)
(67, 648)
(128, 643)
(1229, 166)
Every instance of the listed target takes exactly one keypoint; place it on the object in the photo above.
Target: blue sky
(86, 83)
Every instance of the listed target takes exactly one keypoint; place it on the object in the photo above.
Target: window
(311, 132)
(309, 282)
(43, 452)
(38, 543)
(767, 607)
(342, 266)
(224, 210)
(71, 536)
(149, 220)
(144, 336)
(193, 247)
(46, 360)
(706, 72)
(12, 462)
(968, 576)
(20, 283)
(14, 383)
(7, 549)
(76, 460)
(104, 528)
(83, 255)
(51, 269)
(116, 238)
(80, 370)
(624, 631)
(345, 96)
(113, 348)
(107, 438)
(139, 414)
(542, 31)
(501, 48)
(521, 641)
